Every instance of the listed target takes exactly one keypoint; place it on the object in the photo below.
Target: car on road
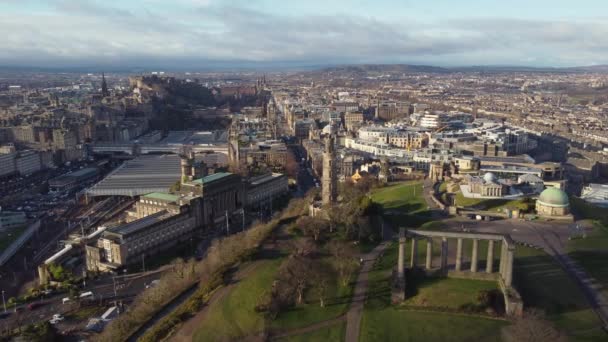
(56, 319)
(34, 306)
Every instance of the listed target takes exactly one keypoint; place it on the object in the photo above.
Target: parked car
(56, 319)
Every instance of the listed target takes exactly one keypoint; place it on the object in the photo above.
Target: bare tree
(532, 327)
(295, 273)
(344, 259)
(312, 226)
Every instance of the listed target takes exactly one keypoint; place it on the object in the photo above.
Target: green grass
(443, 187)
(234, 316)
(391, 324)
(334, 333)
(8, 237)
(544, 285)
(591, 253)
(403, 204)
(336, 303)
(490, 204)
(385, 322)
(450, 293)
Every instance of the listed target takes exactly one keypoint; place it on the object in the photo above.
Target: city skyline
(199, 33)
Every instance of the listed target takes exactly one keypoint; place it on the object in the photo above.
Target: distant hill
(408, 68)
(592, 68)
(385, 68)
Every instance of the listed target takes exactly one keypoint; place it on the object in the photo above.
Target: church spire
(104, 86)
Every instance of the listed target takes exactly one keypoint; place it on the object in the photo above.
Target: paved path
(353, 316)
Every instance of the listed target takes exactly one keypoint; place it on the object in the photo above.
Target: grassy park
(591, 251)
(383, 321)
(490, 204)
(543, 284)
(403, 204)
(334, 333)
(234, 316)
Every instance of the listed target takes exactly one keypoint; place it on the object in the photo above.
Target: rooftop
(162, 196)
(140, 176)
(212, 178)
(133, 227)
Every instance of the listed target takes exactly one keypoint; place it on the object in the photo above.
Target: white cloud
(89, 32)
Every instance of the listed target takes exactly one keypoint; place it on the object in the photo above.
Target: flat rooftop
(142, 175)
(133, 227)
(195, 137)
(265, 178)
(211, 178)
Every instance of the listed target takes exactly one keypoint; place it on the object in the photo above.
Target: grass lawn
(336, 303)
(451, 293)
(234, 316)
(489, 204)
(591, 253)
(544, 285)
(8, 237)
(385, 322)
(391, 324)
(403, 204)
(443, 187)
(334, 333)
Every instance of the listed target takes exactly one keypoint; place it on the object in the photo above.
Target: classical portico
(504, 273)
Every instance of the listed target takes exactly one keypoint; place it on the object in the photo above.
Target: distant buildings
(596, 194)
(262, 190)
(10, 220)
(71, 180)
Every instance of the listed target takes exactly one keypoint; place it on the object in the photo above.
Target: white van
(86, 295)
(65, 300)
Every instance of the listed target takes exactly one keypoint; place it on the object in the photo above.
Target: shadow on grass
(544, 285)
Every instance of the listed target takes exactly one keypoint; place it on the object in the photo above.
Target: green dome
(554, 197)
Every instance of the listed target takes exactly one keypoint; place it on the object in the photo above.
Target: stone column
(509, 267)
(474, 255)
(429, 254)
(501, 268)
(490, 258)
(401, 258)
(459, 255)
(444, 254)
(414, 259)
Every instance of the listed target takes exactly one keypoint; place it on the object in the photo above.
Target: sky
(199, 33)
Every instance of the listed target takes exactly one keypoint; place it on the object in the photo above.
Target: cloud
(88, 32)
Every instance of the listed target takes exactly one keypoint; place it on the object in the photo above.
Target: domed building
(553, 202)
(489, 177)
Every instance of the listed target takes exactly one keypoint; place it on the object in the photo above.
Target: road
(305, 180)
(123, 288)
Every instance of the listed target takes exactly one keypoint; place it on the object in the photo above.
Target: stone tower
(104, 86)
(187, 166)
(330, 180)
